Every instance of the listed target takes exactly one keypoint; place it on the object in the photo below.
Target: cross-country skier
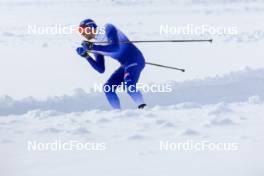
(127, 54)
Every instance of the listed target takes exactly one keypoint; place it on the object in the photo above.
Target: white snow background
(45, 90)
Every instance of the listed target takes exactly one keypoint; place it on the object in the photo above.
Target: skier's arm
(98, 64)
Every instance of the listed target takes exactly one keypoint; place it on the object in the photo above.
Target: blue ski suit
(127, 54)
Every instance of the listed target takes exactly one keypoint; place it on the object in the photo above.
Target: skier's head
(87, 28)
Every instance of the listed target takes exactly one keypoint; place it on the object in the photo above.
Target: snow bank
(234, 87)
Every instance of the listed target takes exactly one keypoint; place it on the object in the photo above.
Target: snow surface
(45, 90)
(132, 141)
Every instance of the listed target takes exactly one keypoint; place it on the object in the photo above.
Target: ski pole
(164, 66)
(161, 41)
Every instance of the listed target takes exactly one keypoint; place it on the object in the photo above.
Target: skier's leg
(131, 77)
(110, 87)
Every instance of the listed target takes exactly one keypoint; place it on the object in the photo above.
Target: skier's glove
(88, 46)
(82, 52)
